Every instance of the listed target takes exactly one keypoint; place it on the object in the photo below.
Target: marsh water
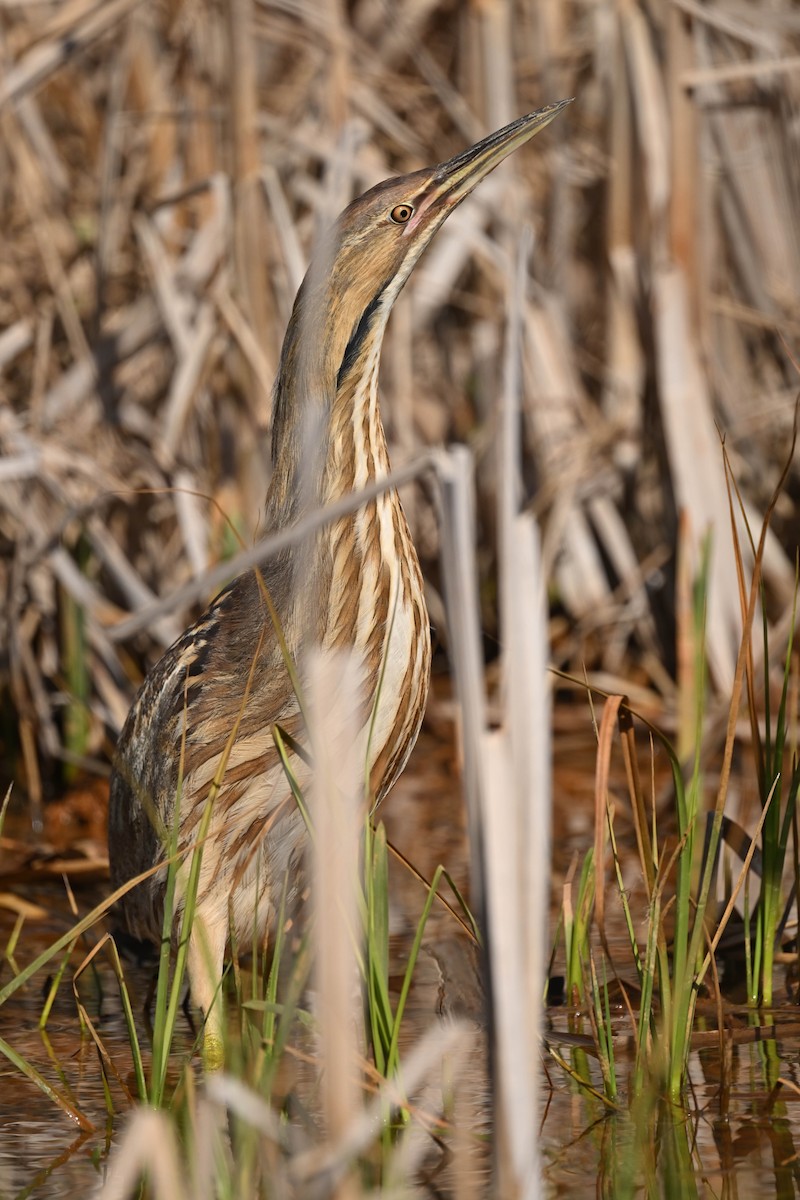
(739, 1135)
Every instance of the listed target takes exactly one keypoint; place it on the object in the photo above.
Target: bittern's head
(380, 236)
(341, 309)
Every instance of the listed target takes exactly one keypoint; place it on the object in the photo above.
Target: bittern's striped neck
(332, 347)
(328, 379)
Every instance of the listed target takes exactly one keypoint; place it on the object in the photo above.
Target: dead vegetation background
(164, 170)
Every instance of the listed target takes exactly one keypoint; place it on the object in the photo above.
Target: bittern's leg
(205, 958)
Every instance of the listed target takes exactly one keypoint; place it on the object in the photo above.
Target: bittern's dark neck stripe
(358, 337)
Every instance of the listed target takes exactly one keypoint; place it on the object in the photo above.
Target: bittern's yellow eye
(401, 213)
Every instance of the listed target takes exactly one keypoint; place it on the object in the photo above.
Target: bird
(198, 749)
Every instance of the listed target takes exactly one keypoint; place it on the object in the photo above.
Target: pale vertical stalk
(692, 444)
(622, 393)
(683, 147)
(339, 85)
(508, 448)
(498, 74)
(652, 118)
(506, 778)
(508, 1027)
(531, 685)
(190, 521)
(338, 766)
(148, 1147)
(460, 575)
(516, 818)
(445, 1046)
(249, 236)
(468, 1183)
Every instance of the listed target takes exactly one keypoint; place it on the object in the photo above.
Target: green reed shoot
(376, 920)
(646, 1029)
(76, 669)
(384, 1023)
(672, 974)
(770, 762)
(577, 928)
(52, 991)
(770, 754)
(600, 1012)
(677, 978)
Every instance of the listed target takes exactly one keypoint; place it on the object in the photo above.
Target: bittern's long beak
(455, 179)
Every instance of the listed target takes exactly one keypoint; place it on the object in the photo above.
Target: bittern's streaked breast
(357, 587)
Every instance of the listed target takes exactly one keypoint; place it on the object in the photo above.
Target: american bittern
(358, 586)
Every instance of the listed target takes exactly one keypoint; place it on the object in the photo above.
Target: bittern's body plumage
(357, 586)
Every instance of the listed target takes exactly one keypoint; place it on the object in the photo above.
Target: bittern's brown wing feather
(226, 672)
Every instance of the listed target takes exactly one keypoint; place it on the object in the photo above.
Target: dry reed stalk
(507, 783)
(337, 821)
(249, 224)
(148, 1146)
(625, 363)
(517, 813)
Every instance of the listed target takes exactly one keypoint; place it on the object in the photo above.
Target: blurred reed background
(164, 171)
